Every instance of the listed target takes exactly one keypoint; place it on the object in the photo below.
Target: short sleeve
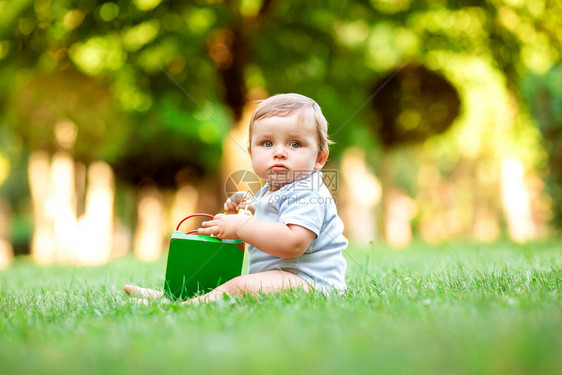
(303, 208)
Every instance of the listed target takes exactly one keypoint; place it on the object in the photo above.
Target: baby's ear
(321, 159)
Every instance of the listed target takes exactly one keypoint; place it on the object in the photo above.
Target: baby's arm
(278, 239)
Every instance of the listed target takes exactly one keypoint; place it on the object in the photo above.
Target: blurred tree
(130, 50)
(544, 97)
(179, 73)
(413, 104)
(46, 100)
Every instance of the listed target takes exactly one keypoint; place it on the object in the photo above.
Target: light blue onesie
(309, 204)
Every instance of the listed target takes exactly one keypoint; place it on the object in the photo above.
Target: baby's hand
(236, 202)
(230, 205)
(224, 226)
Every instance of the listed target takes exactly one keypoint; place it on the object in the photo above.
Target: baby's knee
(233, 286)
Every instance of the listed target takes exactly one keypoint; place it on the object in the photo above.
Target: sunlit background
(120, 118)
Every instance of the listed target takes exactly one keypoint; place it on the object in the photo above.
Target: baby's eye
(294, 144)
(267, 143)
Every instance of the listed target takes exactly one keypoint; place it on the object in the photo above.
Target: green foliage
(214, 54)
(171, 140)
(474, 309)
(543, 94)
(45, 101)
(132, 59)
(413, 104)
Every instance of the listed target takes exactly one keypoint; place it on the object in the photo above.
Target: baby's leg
(265, 282)
(137, 291)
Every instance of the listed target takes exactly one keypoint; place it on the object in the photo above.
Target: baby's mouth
(278, 168)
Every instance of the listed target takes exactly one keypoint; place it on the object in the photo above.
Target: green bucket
(198, 264)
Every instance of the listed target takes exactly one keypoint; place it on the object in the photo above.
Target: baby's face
(285, 149)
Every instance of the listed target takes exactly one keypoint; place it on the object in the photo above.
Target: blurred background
(119, 118)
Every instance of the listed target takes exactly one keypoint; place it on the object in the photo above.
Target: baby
(295, 237)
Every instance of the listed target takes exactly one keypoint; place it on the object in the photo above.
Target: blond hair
(285, 105)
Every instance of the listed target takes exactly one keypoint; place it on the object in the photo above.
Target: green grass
(457, 309)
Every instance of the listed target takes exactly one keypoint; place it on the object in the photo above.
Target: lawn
(454, 309)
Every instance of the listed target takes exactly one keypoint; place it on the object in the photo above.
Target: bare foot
(146, 302)
(145, 293)
(140, 301)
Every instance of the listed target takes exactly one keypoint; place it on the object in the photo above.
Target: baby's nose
(280, 152)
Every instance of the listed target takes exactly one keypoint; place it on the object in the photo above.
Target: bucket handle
(240, 246)
(189, 217)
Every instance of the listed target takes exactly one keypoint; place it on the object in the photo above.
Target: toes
(129, 289)
(133, 291)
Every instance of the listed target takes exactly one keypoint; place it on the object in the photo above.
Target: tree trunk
(149, 239)
(235, 150)
(184, 204)
(398, 208)
(361, 194)
(43, 245)
(62, 205)
(58, 235)
(516, 201)
(97, 221)
(6, 250)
